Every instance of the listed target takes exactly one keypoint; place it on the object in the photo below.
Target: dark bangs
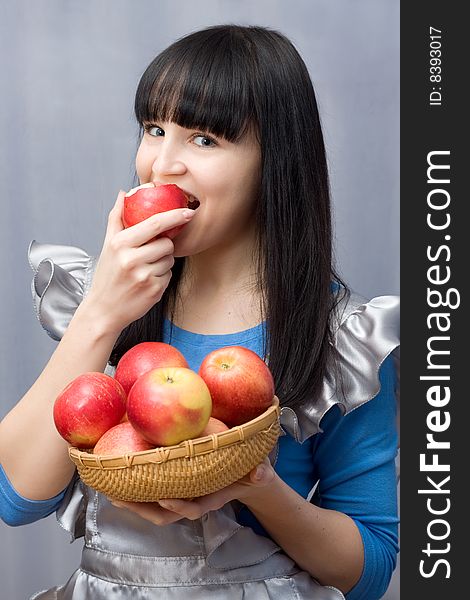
(201, 82)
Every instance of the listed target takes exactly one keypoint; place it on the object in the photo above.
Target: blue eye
(154, 130)
(203, 141)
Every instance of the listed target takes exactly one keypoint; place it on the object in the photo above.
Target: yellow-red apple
(240, 383)
(88, 406)
(169, 405)
(144, 357)
(121, 439)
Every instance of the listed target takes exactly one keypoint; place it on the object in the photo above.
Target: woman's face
(223, 176)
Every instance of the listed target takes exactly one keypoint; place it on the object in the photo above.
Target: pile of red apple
(155, 399)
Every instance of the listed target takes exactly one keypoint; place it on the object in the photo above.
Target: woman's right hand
(133, 269)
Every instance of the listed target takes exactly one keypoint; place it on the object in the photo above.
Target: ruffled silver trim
(62, 278)
(72, 511)
(365, 334)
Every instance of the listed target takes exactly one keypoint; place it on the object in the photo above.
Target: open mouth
(193, 202)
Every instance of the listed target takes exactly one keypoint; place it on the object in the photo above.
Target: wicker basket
(190, 469)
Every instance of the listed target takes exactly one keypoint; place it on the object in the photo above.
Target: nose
(169, 160)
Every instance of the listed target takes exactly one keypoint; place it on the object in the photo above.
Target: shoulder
(365, 333)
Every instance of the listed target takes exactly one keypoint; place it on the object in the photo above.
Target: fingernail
(165, 504)
(117, 504)
(188, 213)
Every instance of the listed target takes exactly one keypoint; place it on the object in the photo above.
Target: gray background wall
(68, 72)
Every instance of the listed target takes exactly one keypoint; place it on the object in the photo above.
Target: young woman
(229, 115)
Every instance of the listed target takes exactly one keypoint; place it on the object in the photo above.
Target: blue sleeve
(355, 463)
(16, 510)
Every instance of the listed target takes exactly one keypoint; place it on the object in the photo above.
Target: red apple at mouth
(144, 357)
(169, 405)
(240, 383)
(121, 439)
(146, 200)
(88, 406)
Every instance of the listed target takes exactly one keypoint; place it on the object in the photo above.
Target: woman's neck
(219, 291)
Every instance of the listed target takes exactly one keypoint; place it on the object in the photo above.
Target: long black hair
(224, 80)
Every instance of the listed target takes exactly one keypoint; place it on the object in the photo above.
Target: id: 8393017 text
(435, 66)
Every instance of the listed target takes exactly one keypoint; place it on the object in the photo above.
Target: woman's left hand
(168, 511)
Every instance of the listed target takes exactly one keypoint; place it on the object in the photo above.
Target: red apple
(144, 357)
(169, 405)
(146, 200)
(240, 383)
(213, 426)
(88, 406)
(121, 439)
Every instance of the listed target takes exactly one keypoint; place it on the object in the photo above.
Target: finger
(263, 473)
(196, 508)
(115, 223)
(189, 510)
(154, 251)
(151, 511)
(146, 274)
(157, 224)
(162, 266)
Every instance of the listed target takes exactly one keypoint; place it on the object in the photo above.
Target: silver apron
(126, 557)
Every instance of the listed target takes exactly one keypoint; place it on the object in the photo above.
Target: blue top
(353, 459)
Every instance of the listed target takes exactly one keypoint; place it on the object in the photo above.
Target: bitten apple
(146, 200)
(121, 439)
(144, 357)
(88, 406)
(240, 383)
(169, 405)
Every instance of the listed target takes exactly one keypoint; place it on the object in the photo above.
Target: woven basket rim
(186, 449)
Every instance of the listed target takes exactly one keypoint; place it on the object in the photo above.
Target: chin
(188, 246)
(183, 248)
